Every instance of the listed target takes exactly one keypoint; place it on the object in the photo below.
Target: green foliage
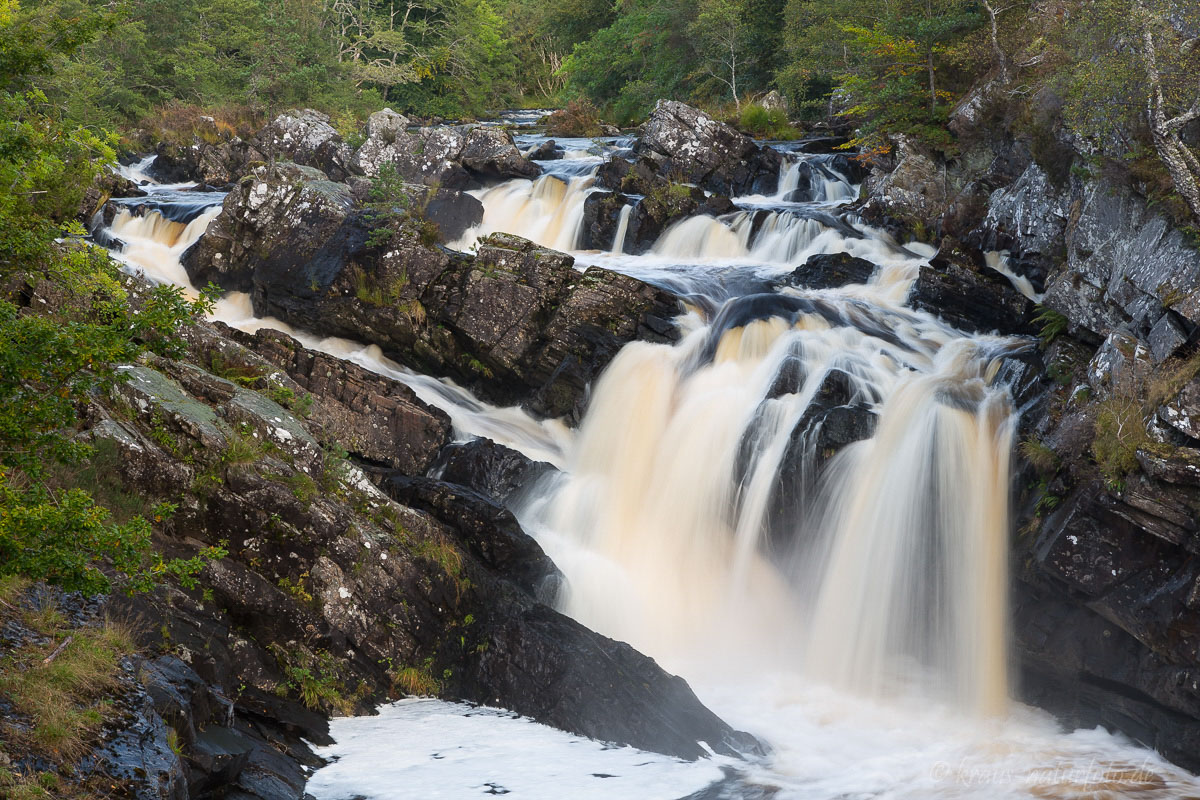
(314, 677)
(50, 364)
(1040, 455)
(1053, 324)
(766, 123)
(1120, 431)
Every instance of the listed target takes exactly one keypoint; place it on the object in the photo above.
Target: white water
(998, 260)
(872, 670)
(618, 247)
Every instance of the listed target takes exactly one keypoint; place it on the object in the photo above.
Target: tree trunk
(1182, 166)
(932, 85)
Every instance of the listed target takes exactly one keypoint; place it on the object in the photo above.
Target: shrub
(579, 119)
(766, 123)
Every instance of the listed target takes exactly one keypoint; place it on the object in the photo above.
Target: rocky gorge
(377, 548)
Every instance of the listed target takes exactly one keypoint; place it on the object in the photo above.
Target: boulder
(829, 271)
(376, 419)
(546, 151)
(305, 137)
(516, 321)
(837, 416)
(491, 469)
(663, 202)
(484, 527)
(970, 299)
(691, 144)
(490, 153)
(445, 157)
(210, 154)
(291, 222)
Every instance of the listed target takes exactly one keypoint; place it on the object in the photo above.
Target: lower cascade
(802, 507)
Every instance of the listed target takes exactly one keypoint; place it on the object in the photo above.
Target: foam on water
(431, 749)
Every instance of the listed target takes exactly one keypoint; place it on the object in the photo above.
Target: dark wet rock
(305, 137)
(139, 753)
(663, 202)
(1105, 618)
(969, 298)
(693, 145)
(210, 155)
(837, 416)
(491, 469)
(377, 419)
(831, 271)
(549, 667)
(453, 212)
(516, 321)
(484, 527)
(546, 151)
(105, 186)
(601, 219)
(292, 221)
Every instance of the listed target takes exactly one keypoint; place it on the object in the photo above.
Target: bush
(766, 123)
(579, 119)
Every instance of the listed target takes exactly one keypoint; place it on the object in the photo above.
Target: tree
(51, 362)
(721, 35)
(1171, 104)
(1132, 79)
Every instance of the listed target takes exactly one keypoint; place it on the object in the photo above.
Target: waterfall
(801, 506)
(154, 244)
(898, 557)
(618, 246)
(547, 210)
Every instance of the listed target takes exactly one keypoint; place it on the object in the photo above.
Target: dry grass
(416, 681)
(1040, 455)
(62, 699)
(179, 122)
(1170, 378)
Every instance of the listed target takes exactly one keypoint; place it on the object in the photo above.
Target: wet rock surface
(687, 142)
(335, 595)
(970, 298)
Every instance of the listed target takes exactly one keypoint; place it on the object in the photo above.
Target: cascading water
(801, 506)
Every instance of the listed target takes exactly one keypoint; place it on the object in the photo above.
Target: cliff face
(1107, 591)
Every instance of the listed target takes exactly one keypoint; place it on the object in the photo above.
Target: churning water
(801, 506)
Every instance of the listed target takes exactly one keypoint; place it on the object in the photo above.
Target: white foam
(426, 749)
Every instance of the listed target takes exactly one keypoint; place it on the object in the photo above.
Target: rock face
(830, 271)
(691, 144)
(1106, 594)
(663, 202)
(969, 298)
(836, 417)
(444, 156)
(450, 158)
(306, 137)
(335, 595)
(515, 320)
(282, 221)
